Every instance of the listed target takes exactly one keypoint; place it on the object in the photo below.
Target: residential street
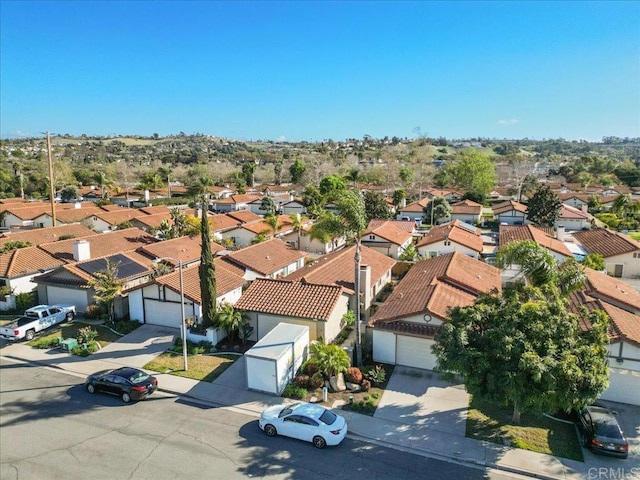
(52, 428)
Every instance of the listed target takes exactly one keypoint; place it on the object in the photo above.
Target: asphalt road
(51, 428)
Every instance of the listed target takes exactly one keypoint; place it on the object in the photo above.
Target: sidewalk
(229, 391)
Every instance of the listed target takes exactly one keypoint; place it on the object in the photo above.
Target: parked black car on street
(601, 432)
(128, 383)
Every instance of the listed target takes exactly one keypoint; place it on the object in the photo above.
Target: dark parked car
(601, 432)
(126, 382)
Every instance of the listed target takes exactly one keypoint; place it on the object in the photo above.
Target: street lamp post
(184, 324)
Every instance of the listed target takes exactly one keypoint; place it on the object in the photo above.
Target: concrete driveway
(419, 397)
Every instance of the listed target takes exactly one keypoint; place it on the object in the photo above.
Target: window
(372, 237)
(447, 243)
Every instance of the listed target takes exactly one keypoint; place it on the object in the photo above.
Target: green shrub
(125, 326)
(192, 348)
(294, 391)
(86, 335)
(366, 406)
(310, 367)
(26, 300)
(316, 380)
(45, 343)
(84, 351)
(302, 380)
(377, 375)
(93, 312)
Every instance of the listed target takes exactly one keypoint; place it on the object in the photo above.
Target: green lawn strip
(635, 235)
(205, 368)
(492, 422)
(70, 330)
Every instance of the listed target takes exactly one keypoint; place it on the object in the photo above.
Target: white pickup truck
(36, 319)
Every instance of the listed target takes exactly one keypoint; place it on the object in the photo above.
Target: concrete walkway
(418, 412)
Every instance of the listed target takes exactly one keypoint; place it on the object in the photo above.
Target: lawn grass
(635, 235)
(492, 422)
(205, 368)
(70, 330)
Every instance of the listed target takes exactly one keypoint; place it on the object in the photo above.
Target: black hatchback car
(601, 432)
(128, 383)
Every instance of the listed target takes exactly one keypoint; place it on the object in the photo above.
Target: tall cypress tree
(207, 272)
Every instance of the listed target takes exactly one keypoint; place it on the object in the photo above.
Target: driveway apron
(420, 398)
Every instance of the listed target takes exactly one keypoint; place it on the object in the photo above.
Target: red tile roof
(513, 233)
(507, 206)
(25, 261)
(466, 207)
(408, 226)
(606, 242)
(289, 298)
(187, 249)
(612, 290)
(417, 206)
(432, 286)
(333, 269)
(101, 245)
(454, 232)
(227, 280)
(267, 257)
(389, 232)
(244, 216)
(37, 236)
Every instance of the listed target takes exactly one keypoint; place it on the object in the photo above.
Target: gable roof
(155, 210)
(514, 233)
(75, 215)
(238, 199)
(291, 299)
(508, 206)
(389, 232)
(466, 207)
(408, 226)
(606, 242)
(267, 257)
(244, 216)
(332, 269)
(611, 290)
(47, 235)
(417, 206)
(435, 285)
(221, 221)
(101, 245)
(116, 217)
(25, 261)
(569, 212)
(455, 232)
(227, 280)
(186, 249)
(261, 226)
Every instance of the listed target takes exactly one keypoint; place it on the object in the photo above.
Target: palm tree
(104, 181)
(331, 359)
(106, 287)
(297, 222)
(540, 268)
(351, 223)
(232, 320)
(272, 221)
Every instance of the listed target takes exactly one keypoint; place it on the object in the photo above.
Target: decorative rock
(353, 387)
(338, 404)
(313, 399)
(337, 383)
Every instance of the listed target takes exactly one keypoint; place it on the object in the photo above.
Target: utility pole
(52, 188)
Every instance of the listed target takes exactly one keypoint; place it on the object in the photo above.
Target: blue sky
(314, 70)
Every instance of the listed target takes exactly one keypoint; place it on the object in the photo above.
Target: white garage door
(624, 386)
(414, 352)
(165, 314)
(72, 296)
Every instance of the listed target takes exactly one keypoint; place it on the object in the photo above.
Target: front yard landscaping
(49, 339)
(538, 433)
(202, 367)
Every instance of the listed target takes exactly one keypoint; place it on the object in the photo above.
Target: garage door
(71, 296)
(623, 386)
(165, 314)
(414, 352)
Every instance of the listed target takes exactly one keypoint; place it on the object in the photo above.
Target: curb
(356, 436)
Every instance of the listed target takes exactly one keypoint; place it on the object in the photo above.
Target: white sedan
(304, 421)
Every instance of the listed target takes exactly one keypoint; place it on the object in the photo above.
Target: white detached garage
(272, 362)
